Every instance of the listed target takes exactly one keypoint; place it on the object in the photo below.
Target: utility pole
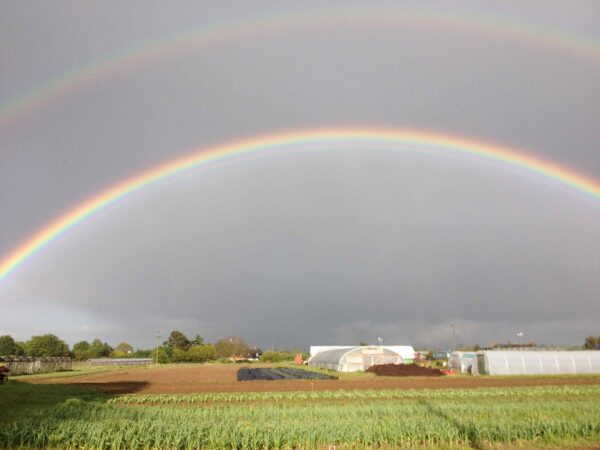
(157, 344)
(453, 338)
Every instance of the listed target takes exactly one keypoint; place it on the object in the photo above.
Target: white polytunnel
(497, 362)
(354, 359)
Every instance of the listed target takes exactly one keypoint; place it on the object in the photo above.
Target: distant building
(461, 361)
(440, 355)
(359, 358)
(120, 361)
(254, 354)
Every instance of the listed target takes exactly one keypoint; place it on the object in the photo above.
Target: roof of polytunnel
(334, 355)
(594, 354)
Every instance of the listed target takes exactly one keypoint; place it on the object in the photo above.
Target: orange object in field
(298, 359)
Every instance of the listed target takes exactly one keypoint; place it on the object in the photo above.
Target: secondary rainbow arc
(292, 140)
(80, 78)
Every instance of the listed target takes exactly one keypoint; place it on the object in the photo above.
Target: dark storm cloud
(306, 248)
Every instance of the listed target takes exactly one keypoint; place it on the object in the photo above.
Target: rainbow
(124, 61)
(319, 139)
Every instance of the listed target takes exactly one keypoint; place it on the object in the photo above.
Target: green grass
(563, 393)
(20, 400)
(52, 416)
(63, 374)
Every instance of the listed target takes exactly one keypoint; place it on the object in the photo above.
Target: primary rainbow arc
(293, 140)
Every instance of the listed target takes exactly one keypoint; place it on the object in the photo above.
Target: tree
(21, 349)
(163, 356)
(201, 353)
(178, 340)
(46, 345)
(8, 346)
(198, 340)
(233, 346)
(179, 355)
(142, 353)
(591, 342)
(99, 349)
(125, 348)
(81, 350)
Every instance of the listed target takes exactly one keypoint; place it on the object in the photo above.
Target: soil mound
(404, 370)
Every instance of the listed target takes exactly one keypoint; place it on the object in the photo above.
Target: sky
(324, 246)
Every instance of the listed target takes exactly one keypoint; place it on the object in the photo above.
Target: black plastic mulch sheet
(280, 373)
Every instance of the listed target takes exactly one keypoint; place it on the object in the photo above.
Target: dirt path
(222, 378)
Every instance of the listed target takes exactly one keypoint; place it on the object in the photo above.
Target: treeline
(51, 345)
(45, 345)
(177, 348)
(592, 343)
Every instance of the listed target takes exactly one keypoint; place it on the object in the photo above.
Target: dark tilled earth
(279, 373)
(404, 370)
(183, 379)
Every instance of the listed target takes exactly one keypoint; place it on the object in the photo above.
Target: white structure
(536, 362)
(120, 361)
(406, 351)
(461, 361)
(353, 359)
(314, 349)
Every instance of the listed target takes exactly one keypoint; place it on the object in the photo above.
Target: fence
(20, 365)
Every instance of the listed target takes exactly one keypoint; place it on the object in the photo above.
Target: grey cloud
(306, 247)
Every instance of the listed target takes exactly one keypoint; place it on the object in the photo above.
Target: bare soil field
(404, 370)
(174, 379)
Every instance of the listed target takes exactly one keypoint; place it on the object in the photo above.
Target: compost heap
(404, 370)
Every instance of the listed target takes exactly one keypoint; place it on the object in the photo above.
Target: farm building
(353, 359)
(461, 361)
(19, 365)
(120, 361)
(497, 362)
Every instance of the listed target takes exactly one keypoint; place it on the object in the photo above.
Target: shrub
(179, 355)
(277, 356)
(201, 353)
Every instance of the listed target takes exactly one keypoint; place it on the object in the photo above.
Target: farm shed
(461, 361)
(353, 359)
(496, 362)
(120, 361)
(20, 365)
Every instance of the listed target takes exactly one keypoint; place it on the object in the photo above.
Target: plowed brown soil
(222, 378)
(404, 370)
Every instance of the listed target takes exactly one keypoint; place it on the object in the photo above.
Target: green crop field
(54, 416)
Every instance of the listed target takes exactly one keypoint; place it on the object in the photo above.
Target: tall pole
(157, 344)
(453, 338)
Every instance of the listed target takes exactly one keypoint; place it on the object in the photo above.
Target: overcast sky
(306, 248)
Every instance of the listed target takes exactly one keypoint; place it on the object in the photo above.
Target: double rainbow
(320, 139)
